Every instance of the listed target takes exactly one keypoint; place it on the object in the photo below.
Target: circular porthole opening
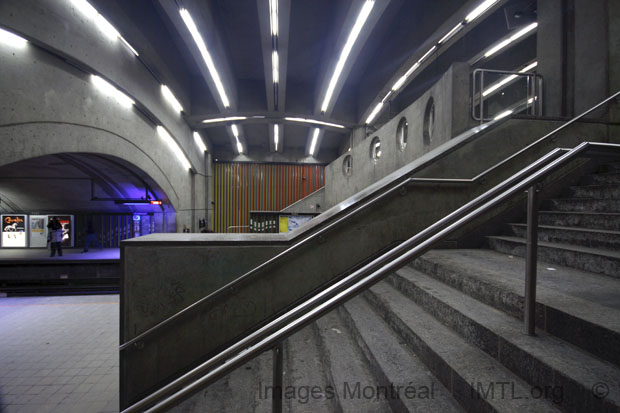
(429, 121)
(401, 134)
(347, 165)
(375, 148)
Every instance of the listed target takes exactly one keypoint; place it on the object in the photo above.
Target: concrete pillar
(209, 199)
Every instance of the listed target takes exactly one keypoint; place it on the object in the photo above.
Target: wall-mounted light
(171, 98)
(315, 138)
(374, 113)
(174, 146)
(111, 91)
(314, 121)
(510, 40)
(206, 56)
(276, 136)
(355, 31)
(201, 145)
(11, 39)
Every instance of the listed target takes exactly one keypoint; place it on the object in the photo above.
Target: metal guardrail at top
(531, 101)
(364, 203)
(271, 335)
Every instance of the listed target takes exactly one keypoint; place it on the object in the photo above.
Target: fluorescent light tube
(11, 39)
(228, 119)
(235, 130)
(174, 146)
(385, 98)
(451, 33)
(374, 113)
(357, 28)
(191, 26)
(528, 67)
(171, 98)
(273, 16)
(276, 136)
(201, 145)
(484, 6)
(128, 45)
(239, 147)
(498, 85)
(276, 67)
(111, 91)
(105, 26)
(313, 121)
(511, 39)
(401, 81)
(85, 8)
(427, 54)
(503, 115)
(315, 138)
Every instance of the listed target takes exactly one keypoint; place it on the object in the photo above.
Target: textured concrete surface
(59, 354)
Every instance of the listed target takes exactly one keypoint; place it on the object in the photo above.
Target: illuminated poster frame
(38, 231)
(14, 233)
(67, 228)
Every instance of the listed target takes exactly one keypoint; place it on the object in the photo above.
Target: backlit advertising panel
(38, 231)
(14, 230)
(67, 229)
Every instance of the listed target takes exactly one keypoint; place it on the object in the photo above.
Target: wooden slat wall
(241, 187)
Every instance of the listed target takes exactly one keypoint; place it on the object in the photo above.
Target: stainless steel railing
(363, 204)
(270, 335)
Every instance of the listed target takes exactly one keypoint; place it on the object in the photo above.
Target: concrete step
(591, 238)
(239, 391)
(577, 306)
(595, 220)
(583, 205)
(305, 380)
(606, 178)
(542, 360)
(595, 191)
(394, 364)
(471, 375)
(343, 361)
(589, 259)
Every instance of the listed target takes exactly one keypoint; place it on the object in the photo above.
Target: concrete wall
(451, 97)
(313, 203)
(48, 106)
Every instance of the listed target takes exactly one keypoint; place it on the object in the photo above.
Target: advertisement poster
(38, 231)
(67, 229)
(291, 222)
(13, 230)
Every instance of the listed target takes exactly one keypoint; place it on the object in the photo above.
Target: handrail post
(278, 372)
(529, 313)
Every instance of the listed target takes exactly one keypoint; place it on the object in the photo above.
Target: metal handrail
(329, 226)
(326, 300)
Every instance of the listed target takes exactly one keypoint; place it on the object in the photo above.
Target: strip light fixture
(508, 79)
(105, 26)
(315, 138)
(174, 146)
(226, 119)
(273, 17)
(276, 136)
(510, 40)
(503, 115)
(275, 66)
(355, 31)
(111, 91)
(11, 39)
(201, 145)
(474, 14)
(206, 56)
(171, 98)
(314, 121)
(235, 131)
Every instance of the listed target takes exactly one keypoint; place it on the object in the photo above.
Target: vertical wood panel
(241, 187)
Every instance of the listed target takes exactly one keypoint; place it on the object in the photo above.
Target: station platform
(29, 271)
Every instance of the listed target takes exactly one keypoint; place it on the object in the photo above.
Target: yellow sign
(283, 224)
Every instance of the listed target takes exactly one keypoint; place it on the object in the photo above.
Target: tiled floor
(59, 354)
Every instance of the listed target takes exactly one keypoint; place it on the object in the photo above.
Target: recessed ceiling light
(374, 113)
(478, 11)
(276, 136)
(227, 119)
(11, 39)
(174, 146)
(314, 121)
(171, 98)
(198, 139)
(111, 91)
(315, 138)
(510, 40)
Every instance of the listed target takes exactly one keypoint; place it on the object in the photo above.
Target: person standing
(91, 236)
(55, 228)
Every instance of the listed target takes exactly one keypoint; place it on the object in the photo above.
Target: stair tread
(400, 366)
(303, 366)
(340, 348)
(592, 186)
(592, 297)
(570, 247)
(469, 362)
(562, 357)
(579, 229)
(610, 214)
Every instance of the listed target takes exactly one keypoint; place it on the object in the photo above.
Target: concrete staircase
(446, 334)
